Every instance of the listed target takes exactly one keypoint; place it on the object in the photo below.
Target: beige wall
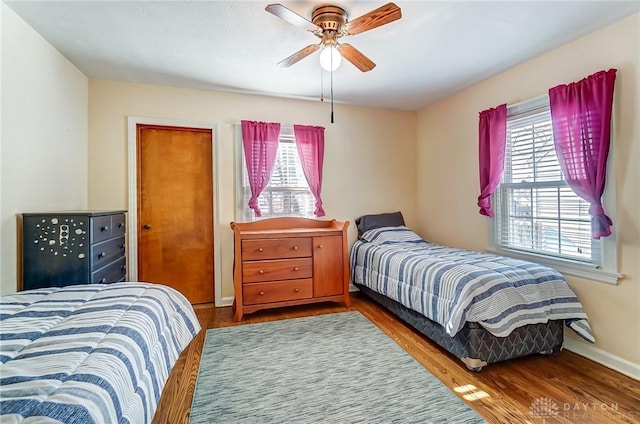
(44, 134)
(448, 168)
(369, 155)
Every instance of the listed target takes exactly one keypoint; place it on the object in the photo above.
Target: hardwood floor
(561, 388)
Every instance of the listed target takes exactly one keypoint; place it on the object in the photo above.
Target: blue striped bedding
(452, 286)
(91, 353)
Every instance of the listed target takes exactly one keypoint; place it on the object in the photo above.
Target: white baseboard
(225, 301)
(607, 359)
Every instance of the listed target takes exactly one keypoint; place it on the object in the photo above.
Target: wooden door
(175, 209)
(328, 275)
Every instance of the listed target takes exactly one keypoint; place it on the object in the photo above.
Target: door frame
(132, 216)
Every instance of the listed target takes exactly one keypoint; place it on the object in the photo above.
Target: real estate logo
(544, 408)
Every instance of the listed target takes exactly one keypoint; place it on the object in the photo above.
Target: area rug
(336, 368)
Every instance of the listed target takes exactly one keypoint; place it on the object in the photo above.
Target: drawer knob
(319, 246)
(260, 249)
(147, 226)
(105, 228)
(102, 255)
(102, 280)
(296, 290)
(261, 271)
(261, 293)
(120, 225)
(295, 268)
(295, 247)
(122, 246)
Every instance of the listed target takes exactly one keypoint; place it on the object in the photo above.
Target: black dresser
(72, 247)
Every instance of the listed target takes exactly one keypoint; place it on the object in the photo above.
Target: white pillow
(387, 235)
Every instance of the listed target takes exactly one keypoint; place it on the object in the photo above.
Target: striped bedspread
(451, 286)
(91, 353)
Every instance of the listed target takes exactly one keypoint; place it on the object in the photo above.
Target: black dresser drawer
(111, 273)
(106, 251)
(118, 225)
(101, 228)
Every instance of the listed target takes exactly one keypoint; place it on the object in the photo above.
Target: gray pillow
(369, 222)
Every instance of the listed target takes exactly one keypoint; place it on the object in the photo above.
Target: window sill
(575, 269)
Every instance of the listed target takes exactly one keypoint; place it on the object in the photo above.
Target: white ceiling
(435, 50)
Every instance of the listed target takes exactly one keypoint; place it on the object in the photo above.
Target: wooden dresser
(72, 247)
(289, 261)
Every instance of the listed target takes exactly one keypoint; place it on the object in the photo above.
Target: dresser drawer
(280, 269)
(118, 225)
(277, 291)
(111, 273)
(104, 252)
(101, 228)
(292, 247)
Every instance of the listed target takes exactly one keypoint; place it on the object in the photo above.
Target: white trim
(133, 121)
(607, 359)
(589, 272)
(225, 301)
(609, 245)
(528, 105)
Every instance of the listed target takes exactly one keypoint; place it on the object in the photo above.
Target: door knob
(147, 226)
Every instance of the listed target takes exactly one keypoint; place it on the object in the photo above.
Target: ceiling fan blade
(299, 55)
(380, 16)
(290, 16)
(354, 56)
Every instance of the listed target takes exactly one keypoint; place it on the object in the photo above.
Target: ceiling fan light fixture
(330, 58)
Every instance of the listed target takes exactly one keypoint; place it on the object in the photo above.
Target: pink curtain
(581, 117)
(260, 142)
(310, 143)
(492, 136)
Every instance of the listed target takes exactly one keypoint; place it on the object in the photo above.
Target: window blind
(536, 211)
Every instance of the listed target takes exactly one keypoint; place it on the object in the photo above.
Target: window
(287, 194)
(536, 212)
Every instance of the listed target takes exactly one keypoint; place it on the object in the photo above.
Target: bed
(91, 353)
(482, 308)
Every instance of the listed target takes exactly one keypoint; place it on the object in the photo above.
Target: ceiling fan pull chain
(332, 97)
(321, 86)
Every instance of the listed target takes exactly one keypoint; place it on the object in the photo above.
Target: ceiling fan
(329, 23)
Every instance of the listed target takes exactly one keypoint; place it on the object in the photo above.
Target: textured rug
(336, 368)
